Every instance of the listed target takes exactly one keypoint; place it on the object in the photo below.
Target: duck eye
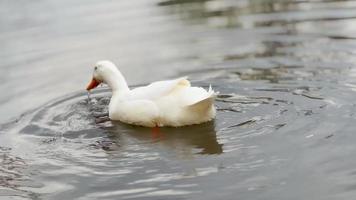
(95, 68)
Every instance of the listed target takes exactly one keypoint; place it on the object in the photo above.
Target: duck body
(164, 103)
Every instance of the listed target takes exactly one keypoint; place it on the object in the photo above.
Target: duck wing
(158, 89)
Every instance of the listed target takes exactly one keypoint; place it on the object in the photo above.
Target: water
(285, 71)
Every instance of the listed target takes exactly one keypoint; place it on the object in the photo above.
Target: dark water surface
(286, 120)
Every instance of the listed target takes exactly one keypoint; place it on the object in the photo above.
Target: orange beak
(93, 84)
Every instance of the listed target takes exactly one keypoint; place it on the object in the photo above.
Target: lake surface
(286, 122)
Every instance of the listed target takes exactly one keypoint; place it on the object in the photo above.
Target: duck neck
(117, 83)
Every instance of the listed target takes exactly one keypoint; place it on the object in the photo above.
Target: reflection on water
(189, 140)
(255, 13)
(285, 124)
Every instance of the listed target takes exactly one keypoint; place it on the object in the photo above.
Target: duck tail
(206, 103)
(202, 105)
(212, 92)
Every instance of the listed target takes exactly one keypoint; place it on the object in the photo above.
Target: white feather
(163, 103)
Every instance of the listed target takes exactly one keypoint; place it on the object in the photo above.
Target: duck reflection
(199, 139)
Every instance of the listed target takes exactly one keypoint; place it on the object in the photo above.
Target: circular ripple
(72, 140)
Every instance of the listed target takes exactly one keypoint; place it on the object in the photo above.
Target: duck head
(106, 72)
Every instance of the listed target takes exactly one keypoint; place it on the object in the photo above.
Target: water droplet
(88, 97)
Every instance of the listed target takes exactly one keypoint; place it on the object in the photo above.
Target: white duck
(163, 103)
